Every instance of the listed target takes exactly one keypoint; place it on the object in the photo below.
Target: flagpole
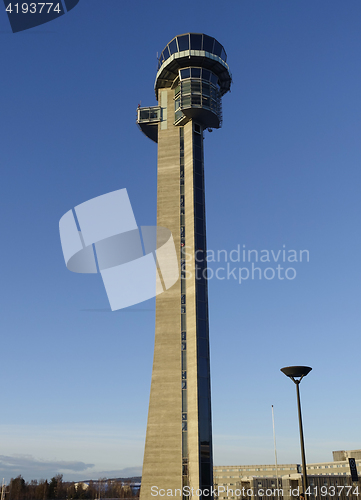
(274, 441)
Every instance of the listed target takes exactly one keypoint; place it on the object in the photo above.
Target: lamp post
(296, 373)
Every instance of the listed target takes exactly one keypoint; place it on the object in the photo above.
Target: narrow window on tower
(198, 196)
(202, 348)
(201, 292)
(184, 401)
(199, 226)
(198, 209)
(198, 153)
(184, 444)
(198, 167)
(198, 181)
(183, 322)
(197, 128)
(201, 310)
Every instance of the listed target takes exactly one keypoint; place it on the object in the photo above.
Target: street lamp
(296, 373)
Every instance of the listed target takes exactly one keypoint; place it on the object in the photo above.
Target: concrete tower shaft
(192, 76)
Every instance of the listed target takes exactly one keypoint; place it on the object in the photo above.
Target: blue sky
(283, 170)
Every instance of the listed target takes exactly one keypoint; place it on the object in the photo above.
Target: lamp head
(296, 373)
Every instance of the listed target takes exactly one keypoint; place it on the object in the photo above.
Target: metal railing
(148, 115)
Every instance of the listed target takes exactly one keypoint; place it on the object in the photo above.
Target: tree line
(57, 489)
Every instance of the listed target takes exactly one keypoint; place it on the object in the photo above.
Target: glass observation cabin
(194, 66)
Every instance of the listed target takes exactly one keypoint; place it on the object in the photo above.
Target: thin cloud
(32, 468)
(112, 474)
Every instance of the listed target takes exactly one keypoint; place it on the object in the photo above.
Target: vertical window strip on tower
(202, 312)
(183, 307)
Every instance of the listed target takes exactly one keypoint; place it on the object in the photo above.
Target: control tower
(192, 77)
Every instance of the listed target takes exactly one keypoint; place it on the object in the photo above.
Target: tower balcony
(148, 119)
(198, 96)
